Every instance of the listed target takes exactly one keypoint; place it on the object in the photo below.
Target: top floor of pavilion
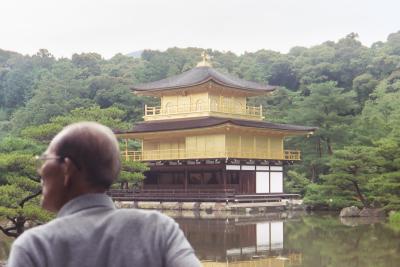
(200, 92)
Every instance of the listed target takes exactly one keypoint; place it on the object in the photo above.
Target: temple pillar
(186, 179)
(224, 176)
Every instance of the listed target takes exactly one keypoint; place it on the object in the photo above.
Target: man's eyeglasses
(40, 160)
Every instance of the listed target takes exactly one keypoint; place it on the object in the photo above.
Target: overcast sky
(108, 27)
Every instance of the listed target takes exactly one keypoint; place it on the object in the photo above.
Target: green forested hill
(350, 91)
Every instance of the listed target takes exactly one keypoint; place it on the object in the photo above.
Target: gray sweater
(90, 231)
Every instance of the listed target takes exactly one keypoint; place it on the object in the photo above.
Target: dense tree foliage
(350, 91)
(19, 186)
(131, 174)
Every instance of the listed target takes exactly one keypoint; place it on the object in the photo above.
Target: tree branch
(23, 201)
(11, 219)
(360, 195)
(10, 228)
(7, 232)
(34, 178)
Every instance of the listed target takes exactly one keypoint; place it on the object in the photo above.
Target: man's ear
(69, 172)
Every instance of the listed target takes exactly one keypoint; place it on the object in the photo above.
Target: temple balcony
(196, 110)
(183, 154)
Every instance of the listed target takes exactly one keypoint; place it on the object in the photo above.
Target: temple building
(205, 141)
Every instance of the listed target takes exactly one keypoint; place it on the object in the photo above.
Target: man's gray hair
(94, 149)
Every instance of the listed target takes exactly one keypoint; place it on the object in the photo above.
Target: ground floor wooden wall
(243, 179)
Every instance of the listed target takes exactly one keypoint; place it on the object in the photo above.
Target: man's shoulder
(141, 216)
(31, 236)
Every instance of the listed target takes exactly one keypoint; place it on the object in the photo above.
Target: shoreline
(211, 207)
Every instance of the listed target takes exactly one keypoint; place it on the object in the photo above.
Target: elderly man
(80, 164)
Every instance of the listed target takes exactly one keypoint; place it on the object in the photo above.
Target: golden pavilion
(204, 142)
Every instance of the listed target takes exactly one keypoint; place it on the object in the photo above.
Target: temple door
(247, 182)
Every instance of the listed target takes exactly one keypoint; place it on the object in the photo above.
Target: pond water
(285, 240)
(304, 240)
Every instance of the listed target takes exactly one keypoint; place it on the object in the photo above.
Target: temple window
(151, 178)
(212, 178)
(195, 178)
(214, 105)
(168, 107)
(199, 105)
(232, 177)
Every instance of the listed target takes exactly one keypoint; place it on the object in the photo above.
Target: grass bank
(394, 220)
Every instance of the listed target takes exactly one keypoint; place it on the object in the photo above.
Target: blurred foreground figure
(79, 165)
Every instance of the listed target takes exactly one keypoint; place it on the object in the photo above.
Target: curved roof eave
(200, 75)
(205, 122)
(267, 90)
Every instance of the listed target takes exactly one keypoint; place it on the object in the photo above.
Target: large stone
(188, 205)
(355, 221)
(295, 204)
(368, 212)
(207, 206)
(352, 211)
(150, 205)
(220, 206)
(168, 205)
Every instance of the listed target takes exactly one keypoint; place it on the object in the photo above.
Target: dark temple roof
(203, 122)
(200, 75)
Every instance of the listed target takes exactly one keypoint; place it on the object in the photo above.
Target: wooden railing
(180, 154)
(173, 194)
(191, 194)
(132, 155)
(244, 111)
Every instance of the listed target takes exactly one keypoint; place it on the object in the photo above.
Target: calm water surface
(274, 240)
(306, 240)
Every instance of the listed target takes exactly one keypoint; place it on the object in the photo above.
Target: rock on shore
(368, 212)
(365, 212)
(352, 211)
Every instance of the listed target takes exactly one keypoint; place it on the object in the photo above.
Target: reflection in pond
(308, 241)
(238, 242)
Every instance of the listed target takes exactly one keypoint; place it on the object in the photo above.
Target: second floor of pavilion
(212, 138)
(203, 91)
